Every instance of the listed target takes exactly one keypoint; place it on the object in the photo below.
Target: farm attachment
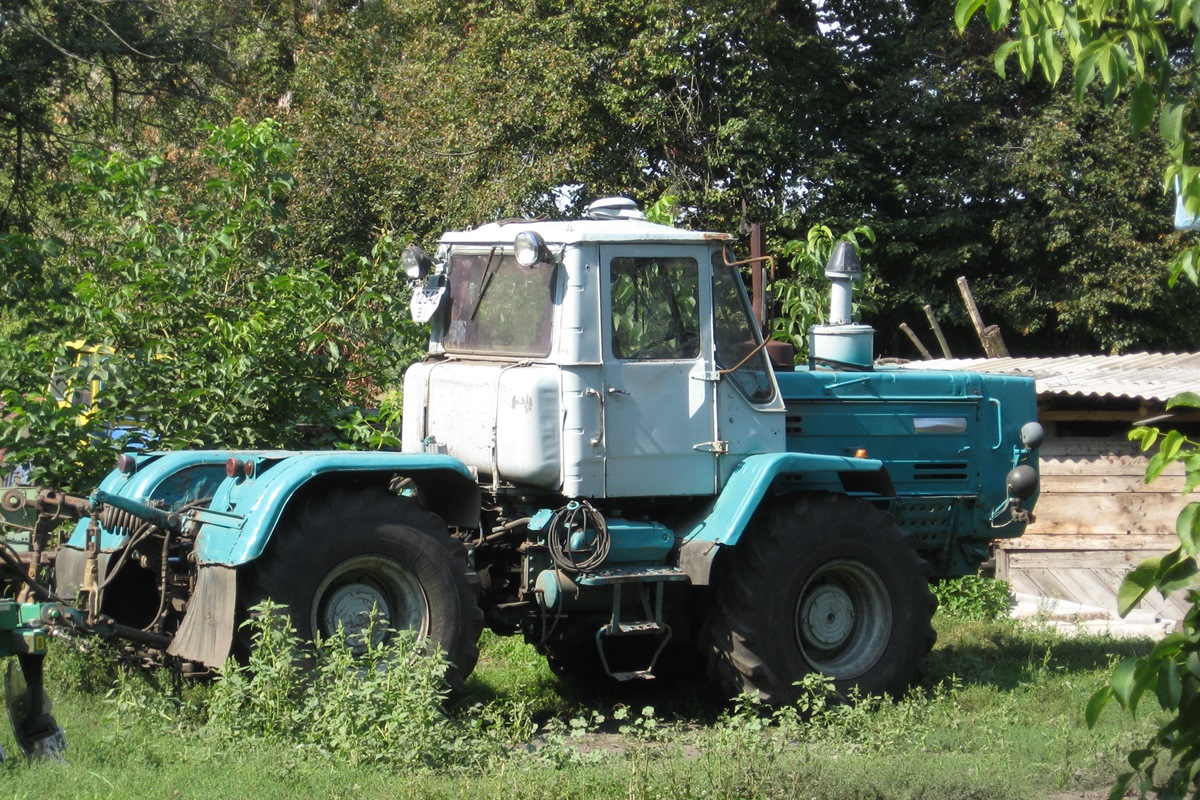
(33, 613)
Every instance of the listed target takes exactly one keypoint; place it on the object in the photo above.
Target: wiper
(484, 282)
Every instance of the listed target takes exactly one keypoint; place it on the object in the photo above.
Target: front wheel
(341, 557)
(826, 584)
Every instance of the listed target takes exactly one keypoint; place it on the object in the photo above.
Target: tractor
(601, 453)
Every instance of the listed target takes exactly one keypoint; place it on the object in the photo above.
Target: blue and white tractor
(601, 453)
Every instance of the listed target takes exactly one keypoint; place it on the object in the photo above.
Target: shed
(1096, 517)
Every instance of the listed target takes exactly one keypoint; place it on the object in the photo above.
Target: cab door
(657, 399)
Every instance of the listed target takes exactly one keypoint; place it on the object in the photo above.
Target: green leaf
(1187, 526)
(964, 10)
(1142, 104)
(999, 12)
(1050, 57)
(1136, 585)
(1001, 57)
(1178, 576)
(1170, 123)
(1185, 399)
(1145, 436)
(1123, 680)
(1085, 67)
(1145, 676)
(1028, 54)
(1170, 686)
(1100, 699)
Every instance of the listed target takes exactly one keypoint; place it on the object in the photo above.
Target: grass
(999, 715)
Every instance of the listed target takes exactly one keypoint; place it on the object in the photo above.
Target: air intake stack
(841, 343)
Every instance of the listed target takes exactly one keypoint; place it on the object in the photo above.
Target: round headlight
(1022, 482)
(1032, 435)
(530, 247)
(415, 262)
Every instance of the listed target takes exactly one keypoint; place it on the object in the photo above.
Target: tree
(423, 117)
(1149, 50)
(86, 71)
(962, 173)
(212, 335)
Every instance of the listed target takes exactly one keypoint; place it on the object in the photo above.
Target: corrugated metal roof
(1140, 376)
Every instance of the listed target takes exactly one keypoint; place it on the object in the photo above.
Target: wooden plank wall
(1096, 519)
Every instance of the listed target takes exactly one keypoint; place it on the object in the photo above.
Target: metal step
(617, 575)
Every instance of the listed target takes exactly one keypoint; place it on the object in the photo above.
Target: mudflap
(37, 733)
(206, 633)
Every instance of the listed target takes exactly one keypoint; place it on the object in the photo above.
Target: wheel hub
(351, 606)
(370, 593)
(827, 617)
(843, 619)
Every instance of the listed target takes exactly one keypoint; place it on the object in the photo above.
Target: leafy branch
(1171, 671)
(1148, 49)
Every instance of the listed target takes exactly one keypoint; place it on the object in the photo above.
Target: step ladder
(651, 622)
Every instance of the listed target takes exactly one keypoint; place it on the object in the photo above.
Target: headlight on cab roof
(530, 248)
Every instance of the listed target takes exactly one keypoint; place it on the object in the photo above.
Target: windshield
(737, 336)
(499, 306)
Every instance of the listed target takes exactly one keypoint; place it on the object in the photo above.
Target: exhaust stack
(841, 343)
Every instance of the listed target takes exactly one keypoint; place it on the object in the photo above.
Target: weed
(366, 699)
(974, 598)
(999, 717)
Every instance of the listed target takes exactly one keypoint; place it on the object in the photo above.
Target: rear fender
(173, 479)
(728, 517)
(236, 528)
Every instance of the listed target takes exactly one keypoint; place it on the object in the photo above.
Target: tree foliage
(217, 338)
(802, 294)
(91, 71)
(1168, 765)
(410, 117)
(1145, 50)
(436, 117)
(1008, 183)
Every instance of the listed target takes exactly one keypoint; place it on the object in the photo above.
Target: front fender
(235, 529)
(726, 519)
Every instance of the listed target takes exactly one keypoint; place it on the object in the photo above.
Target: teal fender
(726, 519)
(243, 512)
(170, 479)
(235, 529)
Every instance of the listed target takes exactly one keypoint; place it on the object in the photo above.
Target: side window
(737, 336)
(655, 308)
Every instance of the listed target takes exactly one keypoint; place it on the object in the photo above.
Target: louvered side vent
(795, 424)
(940, 471)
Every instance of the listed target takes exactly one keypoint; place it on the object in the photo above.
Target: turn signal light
(860, 452)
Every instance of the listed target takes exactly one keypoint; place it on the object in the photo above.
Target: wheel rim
(353, 589)
(843, 619)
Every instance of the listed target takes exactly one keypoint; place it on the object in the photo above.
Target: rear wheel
(828, 584)
(341, 556)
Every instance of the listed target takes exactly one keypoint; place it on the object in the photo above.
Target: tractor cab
(601, 357)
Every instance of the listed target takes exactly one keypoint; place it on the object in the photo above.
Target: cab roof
(606, 220)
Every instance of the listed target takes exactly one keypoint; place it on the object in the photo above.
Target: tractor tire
(826, 583)
(338, 555)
